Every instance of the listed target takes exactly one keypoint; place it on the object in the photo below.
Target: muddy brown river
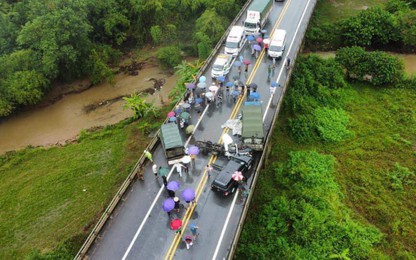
(64, 119)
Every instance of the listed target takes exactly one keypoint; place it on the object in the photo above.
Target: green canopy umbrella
(189, 129)
(185, 115)
(163, 171)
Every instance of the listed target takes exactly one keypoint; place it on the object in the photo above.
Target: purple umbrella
(168, 205)
(190, 85)
(193, 150)
(257, 47)
(173, 185)
(188, 194)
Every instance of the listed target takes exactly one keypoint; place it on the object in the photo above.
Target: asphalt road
(139, 228)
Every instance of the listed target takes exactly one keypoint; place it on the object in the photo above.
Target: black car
(224, 183)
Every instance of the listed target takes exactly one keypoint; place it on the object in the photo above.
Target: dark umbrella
(229, 84)
(193, 150)
(253, 85)
(246, 62)
(173, 185)
(168, 205)
(257, 47)
(188, 194)
(250, 38)
(221, 78)
(190, 85)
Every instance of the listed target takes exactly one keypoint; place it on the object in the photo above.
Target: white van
(235, 40)
(277, 45)
(222, 65)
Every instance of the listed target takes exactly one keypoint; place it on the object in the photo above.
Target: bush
(400, 176)
(378, 68)
(169, 56)
(331, 124)
(303, 129)
(372, 27)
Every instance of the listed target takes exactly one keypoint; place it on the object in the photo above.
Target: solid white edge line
(225, 226)
(157, 197)
(236, 194)
(288, 52)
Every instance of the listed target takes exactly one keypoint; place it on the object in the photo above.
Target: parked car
(224, 183)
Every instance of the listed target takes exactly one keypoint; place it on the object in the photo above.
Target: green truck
(172, 142)
(252, 126)
(257, 14)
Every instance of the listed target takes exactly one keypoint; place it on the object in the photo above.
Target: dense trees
(66, 39)
(389, 27)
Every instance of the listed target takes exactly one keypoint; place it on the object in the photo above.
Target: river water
(65, 119)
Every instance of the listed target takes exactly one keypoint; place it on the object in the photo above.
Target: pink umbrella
(246, 62)
(237, 176)
(171, 114)
(259, 40)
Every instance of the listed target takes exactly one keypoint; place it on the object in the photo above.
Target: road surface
(139, 228)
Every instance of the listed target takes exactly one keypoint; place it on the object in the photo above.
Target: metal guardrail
(264, 155)
(114, 202)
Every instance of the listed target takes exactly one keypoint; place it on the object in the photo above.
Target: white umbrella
(208, 95)
(237, 176)
(266, 41)
(202, 85)
(186, 159)
(213, 88)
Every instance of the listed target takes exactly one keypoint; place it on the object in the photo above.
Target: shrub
(400, 176)
(303, 129)
(156, 33)
(169, 56)
(331, 124)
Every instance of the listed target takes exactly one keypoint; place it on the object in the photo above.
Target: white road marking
(288, 52)
(157, 197)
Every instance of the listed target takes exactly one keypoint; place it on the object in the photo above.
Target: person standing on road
(155, 170)
(148, 155)
(162, 174)
(208, 169)
(188, 241)
(287, 63)
(177, 203)
(194, 229)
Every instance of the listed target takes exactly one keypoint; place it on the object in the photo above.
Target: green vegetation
(42, 42)
(387, 25)
(340, 178)
(51, 197)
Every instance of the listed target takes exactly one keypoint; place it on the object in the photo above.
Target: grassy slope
(50, 195)
(384, 125)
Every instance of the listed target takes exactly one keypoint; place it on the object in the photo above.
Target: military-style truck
(253, 128)
(172, 142)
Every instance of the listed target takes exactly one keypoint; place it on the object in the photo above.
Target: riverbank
(63, 120)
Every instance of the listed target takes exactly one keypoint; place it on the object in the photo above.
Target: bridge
(134, 226)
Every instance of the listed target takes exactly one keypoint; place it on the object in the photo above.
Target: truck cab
(234, 40)
(172, 142)
(252, 22)
(224, 184)
(257, 15)
(221, 66)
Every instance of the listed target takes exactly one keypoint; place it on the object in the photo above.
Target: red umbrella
(259, 40)
(246, 62)
(176, 224)
(171, 114)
